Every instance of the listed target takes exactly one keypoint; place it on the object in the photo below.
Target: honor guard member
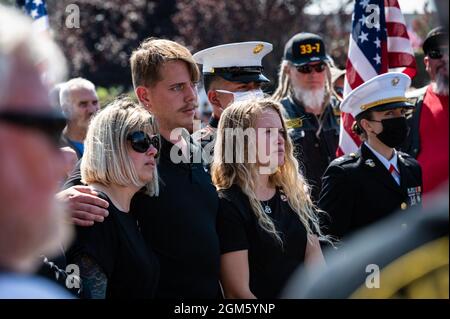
(364, 187)
(312, 111)
(231, 72)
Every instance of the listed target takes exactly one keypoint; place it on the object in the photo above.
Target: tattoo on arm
(93, 278)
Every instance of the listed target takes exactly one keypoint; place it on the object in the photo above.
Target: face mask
(244, 96)
(395, 131)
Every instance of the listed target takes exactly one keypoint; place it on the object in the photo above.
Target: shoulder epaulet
(414, 95)
(405, 156)
(348, 158)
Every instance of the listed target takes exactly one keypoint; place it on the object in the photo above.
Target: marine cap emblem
(395, 81)
(258, 48)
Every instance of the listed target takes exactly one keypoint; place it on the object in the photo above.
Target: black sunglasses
(307, 68)
(437, 53)
(141, 142)
(49, 123)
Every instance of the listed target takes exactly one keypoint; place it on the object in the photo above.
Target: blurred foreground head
(31, 164)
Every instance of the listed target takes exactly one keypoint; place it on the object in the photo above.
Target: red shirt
(433, 132)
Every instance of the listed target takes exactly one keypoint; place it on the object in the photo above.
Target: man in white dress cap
(231, 72)
(361, 188)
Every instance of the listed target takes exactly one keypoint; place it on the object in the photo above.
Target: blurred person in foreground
(267, 223)
(405, 256)
(119, 160)
(31, 165)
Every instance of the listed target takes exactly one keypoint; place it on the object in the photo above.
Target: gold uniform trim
(383, 101)
(258, 48)
(294, 123)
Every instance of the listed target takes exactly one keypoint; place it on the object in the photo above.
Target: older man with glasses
(311, 110)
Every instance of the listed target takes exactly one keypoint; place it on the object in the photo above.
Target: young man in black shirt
(179, 224)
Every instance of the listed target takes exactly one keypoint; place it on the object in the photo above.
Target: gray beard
(441, 85)
(312, 99)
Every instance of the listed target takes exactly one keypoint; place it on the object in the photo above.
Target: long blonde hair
(243, 115)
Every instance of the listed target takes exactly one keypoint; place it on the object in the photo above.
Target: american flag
(379, 43)
(37, 10)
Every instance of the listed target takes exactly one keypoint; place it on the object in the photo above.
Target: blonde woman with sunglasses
(119, 161)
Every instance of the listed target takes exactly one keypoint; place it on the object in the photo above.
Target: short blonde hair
(106, 160)
(147, 60)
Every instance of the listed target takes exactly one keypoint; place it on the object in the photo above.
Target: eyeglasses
(307, 68)
(141, 142)
(437, 53)
(49, 123)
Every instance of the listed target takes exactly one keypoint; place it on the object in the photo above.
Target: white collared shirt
(387, 163)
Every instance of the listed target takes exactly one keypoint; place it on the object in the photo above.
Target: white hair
(65, 93)
(54, 95)
(313, 99)
(285, 87)
(18, 35)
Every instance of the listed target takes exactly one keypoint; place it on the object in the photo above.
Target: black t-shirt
(180, 226)
(118, 247)
(270, 265)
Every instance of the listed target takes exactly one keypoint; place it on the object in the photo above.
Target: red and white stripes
(396, 55)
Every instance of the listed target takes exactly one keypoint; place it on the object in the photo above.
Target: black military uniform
(313, 151)
(358, 189)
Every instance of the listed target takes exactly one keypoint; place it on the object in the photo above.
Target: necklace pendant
(267, 209)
